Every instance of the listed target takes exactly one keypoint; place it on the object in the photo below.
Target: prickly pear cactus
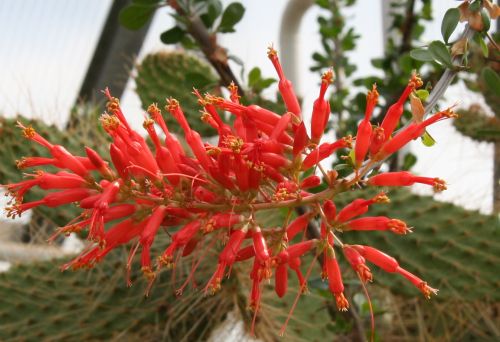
(174, 74)
(475, 124)
(458, 250)
(39, 302)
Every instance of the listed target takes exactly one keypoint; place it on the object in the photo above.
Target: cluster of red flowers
(214, 191)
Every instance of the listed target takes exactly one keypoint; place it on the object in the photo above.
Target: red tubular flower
(98, 162)
(294, 264)
(357, 263)
(401, 139)
(260, 246)
(233, 89)
(324, 151)
(301, 139)
(171, 142)
(321, 109)
(274, 160)
(281, 280)
(113, 107)
(382, 260)
(53, 199)
(27, 162)
(255, 295)
(285, 86)
(404, 178)
(272, 173)
(222, 220)
(204, 195)
(245, 253)
(281, 126)
(190, 246)
(377, 223)
(359, 207)
(46, 181)
(263, 115)
(330, 210)
(66, 159)
(179, 239)
(377, 140)
(298, 225)
(96, 231)
(335, 282)
(363, 136)
(147, 238)
(299, 249)
(413, 131)
(419, 283)
(227, 257)
(310, 182)
(395, 111)
(118, 161)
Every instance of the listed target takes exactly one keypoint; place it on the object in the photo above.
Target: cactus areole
(198, 191)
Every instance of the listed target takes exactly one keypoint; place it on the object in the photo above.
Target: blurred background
(56, 56)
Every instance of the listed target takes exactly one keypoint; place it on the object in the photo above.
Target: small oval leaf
(449, 23)
(485, 17)
(422, 94)
(409, 161)
(427, 140)
(492, 80)
(440, 53)
(172, 36)
(421, 55)
(231, 16)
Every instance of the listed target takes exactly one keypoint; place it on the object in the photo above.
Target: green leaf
(475, 6)
(409, 161)
(254, 76)
(231, 16)
(440, 53)
(352, 157)
(213, 12)
(263, 83)
(492, 80)
(421, 55)
(172, 36)
(484, 47)
(485, 17)
(427, 140)
(136, 15)
(449, 23)
(422, 94)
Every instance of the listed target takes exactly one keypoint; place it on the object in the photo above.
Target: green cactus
(475, 124)
(41, 303)
(173, 74)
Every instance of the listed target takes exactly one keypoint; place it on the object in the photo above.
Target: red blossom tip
(427, 290)
(415, 81)
(327, 77)
(439, 185)
(341, 301)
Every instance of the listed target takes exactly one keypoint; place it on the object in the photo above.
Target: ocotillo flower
(218, 192)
